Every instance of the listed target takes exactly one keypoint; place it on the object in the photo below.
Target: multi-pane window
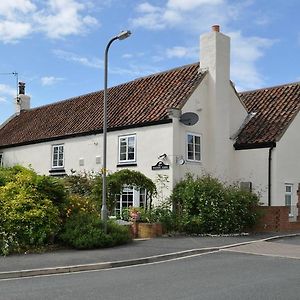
(57, 156)
(288, 196)
(125, 200)
(143, 197)
(127, 148)
(1, 159)
(130, 197)
(193, 147)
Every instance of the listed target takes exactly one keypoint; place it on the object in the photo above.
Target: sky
(57, 46)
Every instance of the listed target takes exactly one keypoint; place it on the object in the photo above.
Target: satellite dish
(189, 118)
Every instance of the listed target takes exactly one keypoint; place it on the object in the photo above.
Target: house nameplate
(160, 166)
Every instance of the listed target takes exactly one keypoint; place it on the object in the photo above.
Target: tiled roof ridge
(165, 71)
(112, 87)
(271, 87)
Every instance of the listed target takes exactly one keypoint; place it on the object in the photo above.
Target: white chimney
(215, 58)
(215, 54)
(22, 101)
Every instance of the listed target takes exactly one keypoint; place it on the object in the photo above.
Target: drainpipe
(270, 175)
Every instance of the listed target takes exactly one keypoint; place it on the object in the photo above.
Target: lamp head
(124, 35)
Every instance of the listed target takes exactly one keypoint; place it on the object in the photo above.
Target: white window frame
(1, 159)
(57, 165)
(194, 146)
(288, 194)
(139, 196)
(127, 160)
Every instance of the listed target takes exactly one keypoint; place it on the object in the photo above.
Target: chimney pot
(21, 88)
(215, 28)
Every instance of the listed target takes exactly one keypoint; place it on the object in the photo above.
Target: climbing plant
(116, 181)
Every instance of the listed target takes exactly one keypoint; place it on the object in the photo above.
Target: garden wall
(276, 218)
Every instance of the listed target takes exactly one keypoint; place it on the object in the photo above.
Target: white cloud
(9, 9)
(82, 60)
(55, 18)
(6, 91)
(191, 4)
(189, 14)
(63, 18)
(246, 52)
(50, 80)
(11, 31)
(196, 17)
(180, 52)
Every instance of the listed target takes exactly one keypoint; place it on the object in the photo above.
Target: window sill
(57, 172)
(193, 161)
(124, 165)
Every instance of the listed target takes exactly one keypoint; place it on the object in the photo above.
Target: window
(130, 197)
(143, 198)
(125, 200)
(1, 159)
(58, 156)
(193, 147)
(127, 146)
(288, 196)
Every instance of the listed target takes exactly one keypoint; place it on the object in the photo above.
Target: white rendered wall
(151, 141)
(286, 164)
(252, 165)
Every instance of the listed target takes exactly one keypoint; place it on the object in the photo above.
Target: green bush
(205, 205)
(85, 231)
(29, 216)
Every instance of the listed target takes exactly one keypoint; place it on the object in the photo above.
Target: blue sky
(57, 46)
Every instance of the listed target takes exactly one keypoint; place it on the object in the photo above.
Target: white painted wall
(286, 163)
(252, 165)
(151, 141)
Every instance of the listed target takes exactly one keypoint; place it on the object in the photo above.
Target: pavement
(144, 251)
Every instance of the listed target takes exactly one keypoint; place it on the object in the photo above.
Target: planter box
(146, 230)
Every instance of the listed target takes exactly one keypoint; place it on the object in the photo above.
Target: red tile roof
(136, 103)
(275, 108)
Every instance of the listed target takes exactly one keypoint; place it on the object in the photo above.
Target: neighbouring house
(185, 120)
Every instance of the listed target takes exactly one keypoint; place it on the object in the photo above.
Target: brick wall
(276, 218)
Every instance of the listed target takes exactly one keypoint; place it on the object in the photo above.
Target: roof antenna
(16, 74)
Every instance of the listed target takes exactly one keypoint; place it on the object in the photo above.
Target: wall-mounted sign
(160, 166)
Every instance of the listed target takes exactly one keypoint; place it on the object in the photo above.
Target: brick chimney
(22, 101)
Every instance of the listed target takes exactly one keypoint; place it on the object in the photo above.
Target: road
(219, 275)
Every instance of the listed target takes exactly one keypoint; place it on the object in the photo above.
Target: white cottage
(185, 120)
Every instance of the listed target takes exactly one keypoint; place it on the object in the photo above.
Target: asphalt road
(220, 275)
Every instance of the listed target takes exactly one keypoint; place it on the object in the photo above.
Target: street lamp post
(121, 36)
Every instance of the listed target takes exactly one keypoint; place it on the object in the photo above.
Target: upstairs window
(193, 147)
(57, 156)
(127, 149)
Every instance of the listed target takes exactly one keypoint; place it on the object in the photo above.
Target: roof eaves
(248, 146)
(92, 132)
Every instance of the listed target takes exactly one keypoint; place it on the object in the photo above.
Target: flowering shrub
(29, 216)
(205, 205)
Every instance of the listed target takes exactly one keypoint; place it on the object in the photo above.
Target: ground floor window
(130, 197)
(1, 159)
(288, 197)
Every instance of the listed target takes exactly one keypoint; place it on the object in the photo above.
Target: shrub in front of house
(205, 205)
(29, 214)
(84, 230)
